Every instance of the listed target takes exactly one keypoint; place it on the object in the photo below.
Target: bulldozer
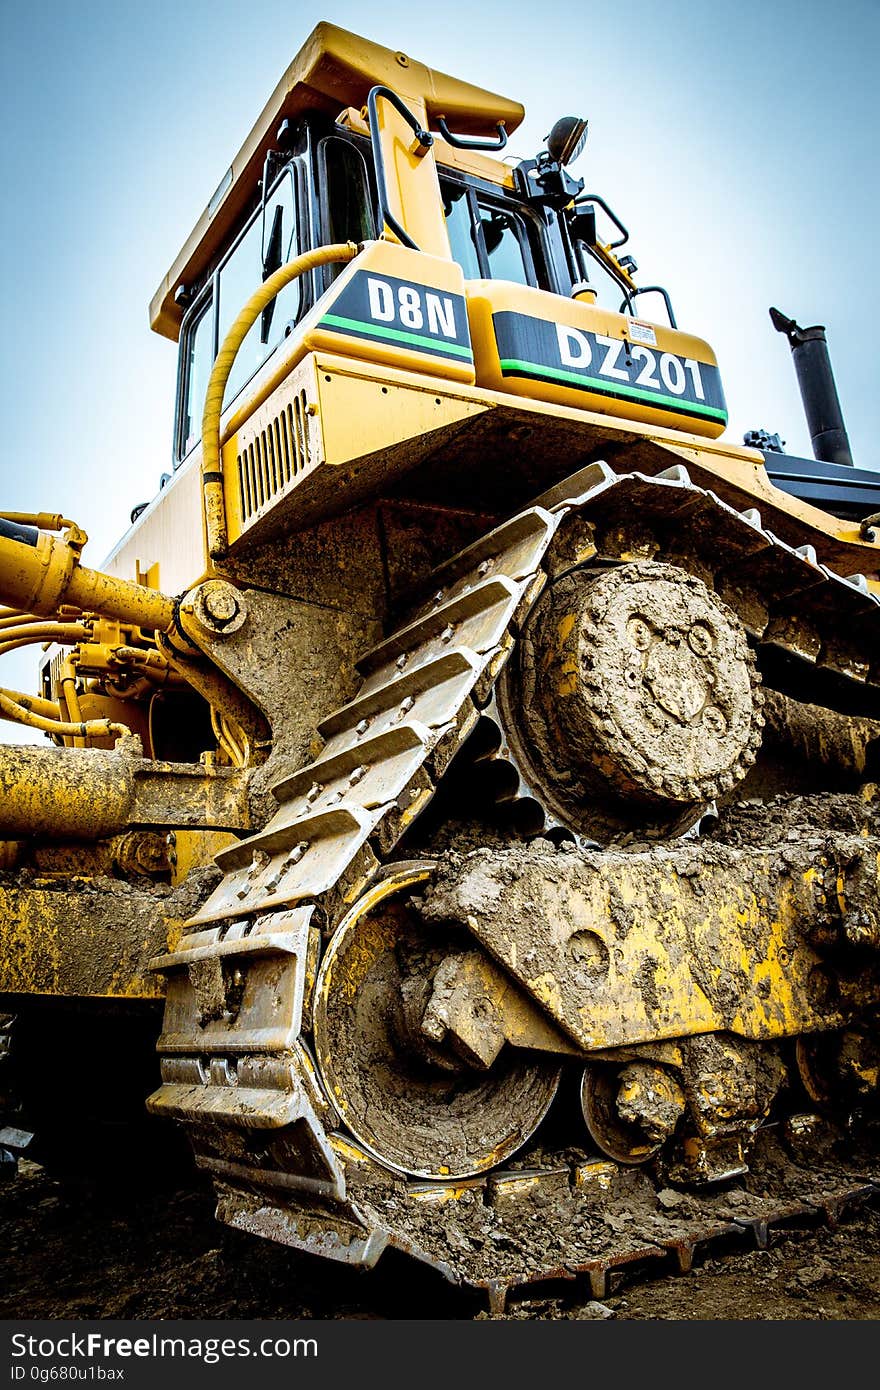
(462, 772)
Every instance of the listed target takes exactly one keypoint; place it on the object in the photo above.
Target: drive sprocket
(635, 700)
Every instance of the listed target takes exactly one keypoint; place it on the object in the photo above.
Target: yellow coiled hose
(212, 473)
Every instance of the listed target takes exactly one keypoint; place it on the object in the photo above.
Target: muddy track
(229, 1070)
(82, 1251)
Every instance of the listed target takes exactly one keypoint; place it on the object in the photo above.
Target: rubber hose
(212, 472)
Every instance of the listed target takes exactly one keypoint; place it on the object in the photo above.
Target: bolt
(485, 566)
(258, 863)
(221, 604)
(404, 708)
(714, 721)
(361, 728)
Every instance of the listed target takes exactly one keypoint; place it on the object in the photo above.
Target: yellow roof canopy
(333, 70)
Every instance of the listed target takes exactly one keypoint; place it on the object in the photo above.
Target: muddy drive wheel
(634, 701)
(416, 1107)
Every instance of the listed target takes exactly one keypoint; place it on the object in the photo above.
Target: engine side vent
(272, 461)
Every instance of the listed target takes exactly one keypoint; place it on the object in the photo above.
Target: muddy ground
(80, 1250)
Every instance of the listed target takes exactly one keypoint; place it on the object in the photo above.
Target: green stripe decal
(510, 366)
(375, 330)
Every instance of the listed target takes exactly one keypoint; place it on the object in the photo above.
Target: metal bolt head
(258, 863)
(217, 606)
(221, 604)
(403, 708)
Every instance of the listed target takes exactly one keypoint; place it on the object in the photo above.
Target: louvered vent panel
(272, 461)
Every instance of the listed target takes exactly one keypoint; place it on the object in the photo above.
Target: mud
(430, 1120)
(569, 924)
(792, 819)
(87, 1251)
(644, 678)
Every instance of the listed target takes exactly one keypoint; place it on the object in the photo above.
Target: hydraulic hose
(14, 531)
(35, 704)
(92, 728)
(212, 472)
(30, 633)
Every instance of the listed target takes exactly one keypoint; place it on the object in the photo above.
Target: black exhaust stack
(818, 389)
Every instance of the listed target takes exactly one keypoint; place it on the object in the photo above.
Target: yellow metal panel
(680, 945)
(90, 939)
(621, 395)
(195, 849)
(272, 451)
(362, 414)
(411, 180)
(410, 313)
(333, 70)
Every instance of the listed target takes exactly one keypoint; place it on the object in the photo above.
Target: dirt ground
(83, 1251)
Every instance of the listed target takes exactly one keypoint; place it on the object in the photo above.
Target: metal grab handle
(594, 198)
(461, 142)
(425, 139)
(649, 289)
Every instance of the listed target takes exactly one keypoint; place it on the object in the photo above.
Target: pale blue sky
(737, 142)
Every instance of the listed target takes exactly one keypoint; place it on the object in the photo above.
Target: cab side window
(459, 225)
(345, 191)
(504, 249)
(198, 359)
(269, 239)
(268, 243)
(609, 291)
(488, 240)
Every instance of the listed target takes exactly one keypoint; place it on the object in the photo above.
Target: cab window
(346, 192)
(504, 250)
(198, 359)
(267, 244)
(268, 241)
(488, 240)
(459, 225)
(609, 291)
